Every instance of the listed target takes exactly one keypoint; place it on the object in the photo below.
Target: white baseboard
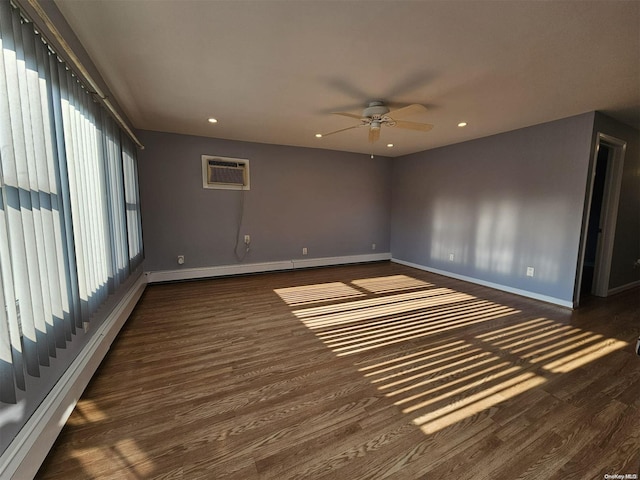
(25, 454)
(622, 288)
(218, 271)
(328, 261)
(239, 269)
(497, 286)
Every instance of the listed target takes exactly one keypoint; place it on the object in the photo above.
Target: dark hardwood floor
(367, 371)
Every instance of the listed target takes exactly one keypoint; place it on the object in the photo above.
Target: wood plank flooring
(359, 372)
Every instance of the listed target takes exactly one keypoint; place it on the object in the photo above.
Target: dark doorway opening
(594, 228)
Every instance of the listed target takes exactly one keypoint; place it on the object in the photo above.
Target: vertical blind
(70, 231)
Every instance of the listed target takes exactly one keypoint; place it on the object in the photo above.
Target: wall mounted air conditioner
(225, 173)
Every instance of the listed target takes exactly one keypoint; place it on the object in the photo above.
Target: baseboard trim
(242, 269)
(25, 454)
(622, 288)
(218, 271)
(329, 261)
(496, 286)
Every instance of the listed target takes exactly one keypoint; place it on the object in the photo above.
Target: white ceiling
(272, 71)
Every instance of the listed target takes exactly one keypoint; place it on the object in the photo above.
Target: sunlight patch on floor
(392, 283)
(322, 292)
(86, 411)
(401, 360)
(479, 360)
(440, 362)
(318, 313)
(361, 325)
(451, 378)
(448, 390)
(124, 455)
(468, 406)
(585, 356)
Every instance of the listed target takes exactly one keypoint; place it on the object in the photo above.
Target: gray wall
(499, 204)
(333, 203)
(626, 247)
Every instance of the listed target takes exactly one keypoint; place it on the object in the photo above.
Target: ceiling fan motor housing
(375, 110)
(377, 114)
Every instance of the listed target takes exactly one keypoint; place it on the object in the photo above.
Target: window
(70, 232)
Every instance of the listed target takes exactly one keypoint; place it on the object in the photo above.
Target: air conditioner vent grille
(220, 163)
(225, 173)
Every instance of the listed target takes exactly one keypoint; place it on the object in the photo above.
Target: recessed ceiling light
(213, 120)
(462, 124)
(389, 145)
(318, 135)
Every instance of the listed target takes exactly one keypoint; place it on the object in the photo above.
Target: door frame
(608, 216)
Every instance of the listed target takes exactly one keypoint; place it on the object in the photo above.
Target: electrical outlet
(451, 257)
(304, 250)
(530, 271)
(180, 259)
(247, 239)
(373, 246)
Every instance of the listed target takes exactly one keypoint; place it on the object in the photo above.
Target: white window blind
(70, 231)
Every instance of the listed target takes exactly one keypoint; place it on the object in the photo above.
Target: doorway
(600, 217)
(595, 216)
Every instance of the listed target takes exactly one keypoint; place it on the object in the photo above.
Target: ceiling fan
(378, 114)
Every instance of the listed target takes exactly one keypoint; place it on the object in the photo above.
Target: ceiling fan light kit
(377, 114)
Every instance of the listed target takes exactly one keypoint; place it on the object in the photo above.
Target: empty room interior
(316, 239)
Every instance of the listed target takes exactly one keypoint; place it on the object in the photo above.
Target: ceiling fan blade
(341, 130)
(408, 110)
(347, 114)
(374, 134)
(421, 127)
